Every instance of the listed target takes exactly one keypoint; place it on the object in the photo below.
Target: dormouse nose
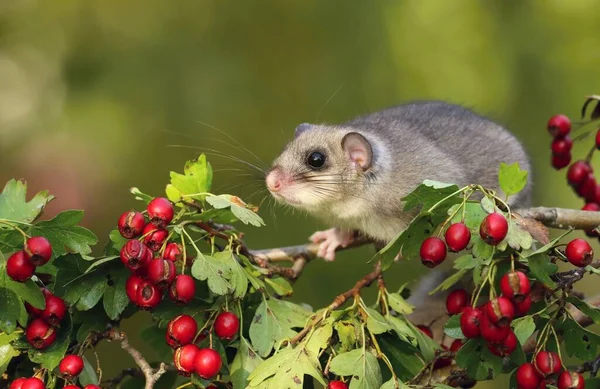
(274, 180)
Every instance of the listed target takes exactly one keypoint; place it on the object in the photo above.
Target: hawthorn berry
(456, 345)
(185, 357)
(579, 252)
(154, 236)
(515, 285)
(19, 268)
(457, 237)
(135, 255)
(587, 189)
(547, 363)
(500, 311)
(559, 125)
(181, 330)
(561, 161)
(208, 363)
(18, 383)
(33, 383)
(148, 296)
(493, 228)
(570, 380)
(337, 385)
(470, 322)
(506, 347)
(161, 272)
(527, 377)
(491, 332)
(426, 330)
(38, 250)
(173, 252)
(91, 386)
(131, 224)
(70, 366)
(40, 334)
(33, 311)
(561, 146)
(521, 308)
(131, 286)
(433, 252)
(160, 211)
(183, 289)
(55, 310)
(578, 172)
(456, 301)
(226, 325)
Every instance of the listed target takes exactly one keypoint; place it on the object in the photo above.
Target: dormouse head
(321, 165)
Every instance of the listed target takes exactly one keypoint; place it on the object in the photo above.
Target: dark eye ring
(316, 160)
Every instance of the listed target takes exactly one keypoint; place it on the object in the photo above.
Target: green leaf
(523, 328)
(474, 215)
(547, 246)
(7, 351)
(286, 370)
(480, 248)
(590, 311)
(65, 235)
(401, 329)
(480, 363)
(244, 363)
(10, 310)
(393, 384)
(450, 281)
(195, 181)
(376, 323)
(467, 262)
(426, 344)
(399, 304)
(320, 338)
(239, 280)
(115, 297)
(511, 178)
(88, 376)
(216, 272)
(428, 194)
(240, 209)
(403, 356)
(51, 357)
(361, 365)
(14, 205)
(92, 296)
(517, 237)
(542, 268)
(409, 241)
(579, 342)
(346, 332)
(452, 327)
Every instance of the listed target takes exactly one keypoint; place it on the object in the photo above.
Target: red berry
(33, 311)
(562, 146)
(561, 161)
(506, 347)
(227, 325)
(161, 272)
(91, 386)
(426, 330)
(336, 385)
(500, 311)
(593, 207)
(55, 310)
(154, 236)
(40, 334)
(456, 345)
(18, 383)
(457, 237)
(181, 330)
(521, 308)
(493, 229)
(208, 363)
(579, 252)
(183, 289)
(527, 377)
(70, 366)
(598, 139)
(185, 358)
(160, 211)
(33, 383)
(470, 322)
(433, 252)
(578, 172)
(548, 363)
(148, 296)
(491, 332)
(135, 255)
(18, 267)
(456, 301)
(570, 380)
(132, 285)
(38, 250)
(587, 189)
(173, 252)
(515, 285)
(559, 126)
(131, 224)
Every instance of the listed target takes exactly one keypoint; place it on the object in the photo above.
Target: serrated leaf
(376, 323)
(286, 370)
(480, 363)
(401, 329)
(115, 297)
(346, 332)
(403, 356)
(428, 194)
(588, 310)
(238, 278)
(238, 207)
(244, 363)
(511, 178)
(399, 304)
(88, 376)
(65, 235)
(280, 286)
(467, 262)
(7, 351)
(319, 339)
(480, 248)
(195, 181)
(579, 342)
(542, 268)
(393, 384)
(14, 205)
(452, 327)
(409, 241)
(426, 344)
(214, 271)
(93, 295)
(488, 205)
(11, 308)
(51, 357)
(517, 237)
(361, 365)
(473, 215)
(523, 328)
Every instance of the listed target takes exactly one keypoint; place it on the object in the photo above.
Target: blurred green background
(100, 95)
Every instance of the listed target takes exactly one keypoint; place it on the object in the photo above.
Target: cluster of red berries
(152, 276)
(70, 367)
(493, 230)
(545, 365)
(492, 320)
(36, 383)
(41, 331)
(189, 358)
(37, 251)
(559, 127)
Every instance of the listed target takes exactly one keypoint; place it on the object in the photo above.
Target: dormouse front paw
(330, 240)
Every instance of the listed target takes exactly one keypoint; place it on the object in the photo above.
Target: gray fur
(412, 142)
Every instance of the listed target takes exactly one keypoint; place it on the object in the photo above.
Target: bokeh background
(100, 95)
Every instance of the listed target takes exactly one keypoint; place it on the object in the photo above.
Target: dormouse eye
(316, 160)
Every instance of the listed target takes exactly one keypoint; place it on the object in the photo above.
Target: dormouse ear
(358, 149)
(301, 128)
